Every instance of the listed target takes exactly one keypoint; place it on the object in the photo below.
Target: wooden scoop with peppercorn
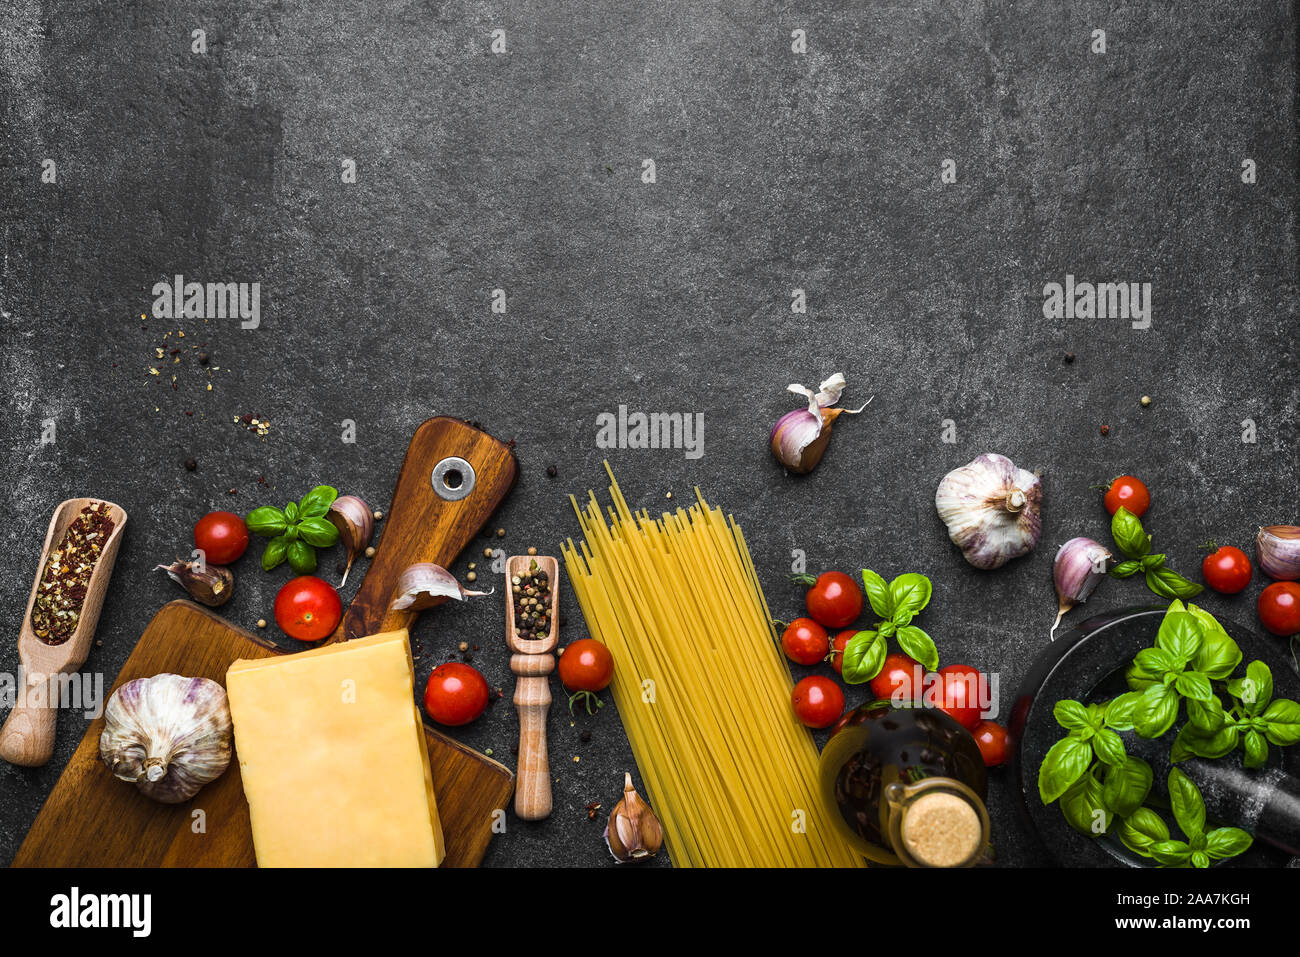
(76, 564)
(532, 631)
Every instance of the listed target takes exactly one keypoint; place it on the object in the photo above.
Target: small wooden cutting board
(91, 819)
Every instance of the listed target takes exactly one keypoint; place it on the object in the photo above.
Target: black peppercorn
(191, 465)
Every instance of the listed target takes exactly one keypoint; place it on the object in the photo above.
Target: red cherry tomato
(818, 701)
(837, 649)
(456, 694)
(586, 665)
(1279, 608)
(992, 739)
(960, 690)
(222, 536)
(1129, 492)
(898, 674)
(308, 608)
(1226, 570)
(804, 641)
(834, 600)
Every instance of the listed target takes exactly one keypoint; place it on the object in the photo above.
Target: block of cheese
(333, 756)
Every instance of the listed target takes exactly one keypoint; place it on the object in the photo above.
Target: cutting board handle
(27, 738)
(432, 517)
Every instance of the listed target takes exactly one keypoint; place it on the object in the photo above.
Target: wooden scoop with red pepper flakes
(59, 623)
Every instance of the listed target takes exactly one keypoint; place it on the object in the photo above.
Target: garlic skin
(213, 585)
(168, 735)
(800, 437)
(1277, 548)
(425, 585)
(356, 523)
(633, 832)
(1077, 570)
(992, 510)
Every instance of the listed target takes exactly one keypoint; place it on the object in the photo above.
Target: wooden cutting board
(93, 820)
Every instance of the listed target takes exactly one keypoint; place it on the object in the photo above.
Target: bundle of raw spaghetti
(701, 687)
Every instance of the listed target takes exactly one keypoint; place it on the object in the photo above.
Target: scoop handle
(27, 737)
(533, 700)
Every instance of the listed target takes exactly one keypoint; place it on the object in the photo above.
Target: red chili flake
(1105, 430)
(591, 809)
(62, 590)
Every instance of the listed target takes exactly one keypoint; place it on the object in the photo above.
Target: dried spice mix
(62, 591)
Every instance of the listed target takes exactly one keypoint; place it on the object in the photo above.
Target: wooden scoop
(27, 737)
(532, 662)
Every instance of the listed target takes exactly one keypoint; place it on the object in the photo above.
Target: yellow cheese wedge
(333, 756)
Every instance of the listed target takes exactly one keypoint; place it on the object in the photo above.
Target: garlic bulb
(992, 510)
(168, 735)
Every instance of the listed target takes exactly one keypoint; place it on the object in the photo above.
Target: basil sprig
(1200, 847)
(1135, 544)
(896, 603)
(297, 531)
(1252, 722)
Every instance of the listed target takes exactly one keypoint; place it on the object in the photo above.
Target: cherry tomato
(456, 694)
(818, 701)
(1279, 608)
(804, 641)
(960, 688)
(586, 665)
(834, 600)
(992, 739)
(1129, 492)
(308, 608)
(1226, 570)
(222, 536)
(898, 674)
(837, 649)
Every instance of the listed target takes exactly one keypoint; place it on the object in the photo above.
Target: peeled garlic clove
(1278, 549)
(168, 735)
(1079, 567)
(800, 437)
(213, 585)
(356, 523)
(633, 832)
(992, 510)
(425, 585)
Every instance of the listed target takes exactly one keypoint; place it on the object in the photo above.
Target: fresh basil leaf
(1119, 712)
(1128, 533)
(1167, 583)
(911, 591)
(267, 520)
(1180, 636)
(878, 594)
(1171, 853)
(917, 644)
(1126, 569)
(1108, 747)
(1200, 859)
(1191, 742)
(302, 557)
(1127, 785)
(863, 657)
(887, 629)
(1255, 750)
(1192, 684)
(1156, 661)
(1219, 654)
(1150, 562)
(1188, 807)
(274, 553)
(1141, 829)
(1283, 717)
(1207, 715)
(318, 532)
(318, 501)
(1255, 690)
(901, 617)
(291, 511)
(1225, 842)
(1084, 809)
(1139, 679)
(1156, 711)
(291, 533)
(1065, 763)
(1070, 714)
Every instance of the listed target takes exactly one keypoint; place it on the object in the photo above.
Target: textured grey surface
(522, 171)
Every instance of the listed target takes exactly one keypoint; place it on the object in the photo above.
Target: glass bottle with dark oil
(906, 786)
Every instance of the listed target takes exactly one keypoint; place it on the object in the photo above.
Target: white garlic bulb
(992, 510)
(168, 735)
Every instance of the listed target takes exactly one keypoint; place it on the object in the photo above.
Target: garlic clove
(1077, 570)
(213, 585)
(1277, 548)
(425, 585)
(356, 524)
(800, 437)
(992, 510)
(633, 832)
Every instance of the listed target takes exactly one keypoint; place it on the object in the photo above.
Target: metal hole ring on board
(453, 478)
